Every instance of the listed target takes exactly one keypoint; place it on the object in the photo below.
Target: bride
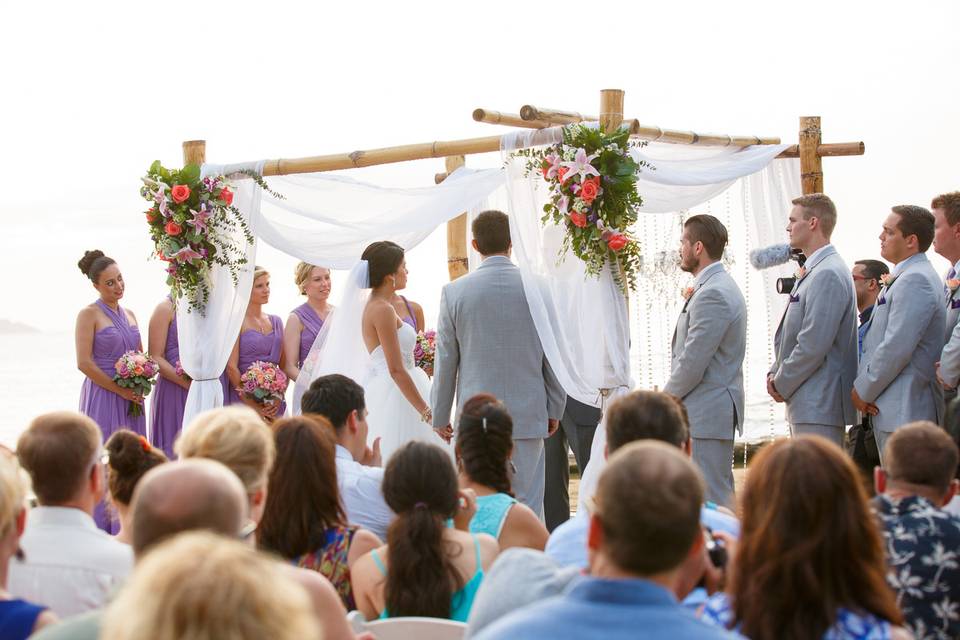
(367, 341)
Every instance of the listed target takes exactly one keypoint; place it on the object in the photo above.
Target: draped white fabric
(207, 340)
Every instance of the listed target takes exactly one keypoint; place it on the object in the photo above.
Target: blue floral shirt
(849, 625)
(923, 553)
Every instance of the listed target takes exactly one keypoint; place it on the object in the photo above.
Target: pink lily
(199, 220)
(186, 254)
(563, 204)
(554, 161)
(580, 165)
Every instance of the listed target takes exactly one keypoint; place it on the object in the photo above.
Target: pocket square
(881, 300)
(795, 298)
(955, 304)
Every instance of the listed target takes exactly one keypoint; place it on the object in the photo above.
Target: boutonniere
(953, 283)
(799, 273)
(687, 293)
(886, 279)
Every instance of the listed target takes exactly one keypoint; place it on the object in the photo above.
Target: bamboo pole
(811, 167)
(510, 119)
(556, 116)
(194, 152)
(457, 264)
(386, 155)
(611, 109)
(828, 150)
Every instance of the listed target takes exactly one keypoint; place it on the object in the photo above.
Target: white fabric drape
(207, 340)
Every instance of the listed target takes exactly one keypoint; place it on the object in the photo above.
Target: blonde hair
(820, 206)
(301, 274)
(200, 586)
(12, 492)
(234, 436)
(259, 271)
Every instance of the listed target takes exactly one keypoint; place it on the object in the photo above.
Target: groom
(487, 343)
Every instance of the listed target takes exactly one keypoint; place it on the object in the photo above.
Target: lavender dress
(105, 407)
(412, 318)
(257, 346)
(312, 323)
(169, 399)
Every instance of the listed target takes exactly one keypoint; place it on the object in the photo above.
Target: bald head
(186, 495)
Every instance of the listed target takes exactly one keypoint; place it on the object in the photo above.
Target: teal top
(491, 513)
(462, 600)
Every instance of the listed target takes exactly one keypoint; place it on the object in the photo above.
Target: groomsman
(816, 342)
(897, 379)
(867, 279)
(946, 242)
(708, 347)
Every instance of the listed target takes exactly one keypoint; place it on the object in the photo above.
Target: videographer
(816, 342)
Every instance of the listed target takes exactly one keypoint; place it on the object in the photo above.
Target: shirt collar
(494, 260)
(956, 269)
(707, 271)
(866, 313)
(62, 517)
(813, 257)
(344, 454)
(901, 266)
(622, 591)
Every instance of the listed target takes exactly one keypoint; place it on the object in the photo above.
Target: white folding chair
(408, 628)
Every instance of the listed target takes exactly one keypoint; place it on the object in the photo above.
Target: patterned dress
(330, 561)
(923, 556)
(849, 625)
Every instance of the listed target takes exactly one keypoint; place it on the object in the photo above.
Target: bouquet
(137, 371)
(178, 369)
(263, 382)
(425, 350)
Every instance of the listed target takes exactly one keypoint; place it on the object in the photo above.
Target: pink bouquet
(137, 371)
(178, 369)
(425, 351)
(263, 382)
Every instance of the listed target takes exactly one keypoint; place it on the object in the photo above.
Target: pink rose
(617, 242)
(226, 195)
(589, 190)
(180, 193)
(578, 219)
(173, 228)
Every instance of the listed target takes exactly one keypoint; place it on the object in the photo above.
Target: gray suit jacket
(950, 356)
(816, 344)
(487, 343)
(902, 347)
(708, 348)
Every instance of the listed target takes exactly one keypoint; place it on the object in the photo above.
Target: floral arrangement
(178, 369)
(137, 371)
(425, 350)
(593, 193)
(191, 219)
(263, 382)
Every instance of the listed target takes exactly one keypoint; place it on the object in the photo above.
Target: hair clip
(484, 425)
(420, 505)
(144, 444)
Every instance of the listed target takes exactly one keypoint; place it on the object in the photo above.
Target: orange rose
(151, 215)
(578, 219)
(227, 196)
(562, 171)
(173, 228)
(180, 193)
(588, 191)
(617, 242)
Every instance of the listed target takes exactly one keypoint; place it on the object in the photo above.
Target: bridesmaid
(261, 338)
(170, 394)
(409, 312)
(305, 322)
(105, 331)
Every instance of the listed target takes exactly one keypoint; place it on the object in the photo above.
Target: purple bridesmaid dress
(169, 399)
(105, 407)
(257, 346)
(312, 323)
(412, 318)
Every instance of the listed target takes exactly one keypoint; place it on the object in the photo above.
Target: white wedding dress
(390, 416)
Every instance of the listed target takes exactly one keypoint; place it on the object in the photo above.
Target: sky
(94, 92)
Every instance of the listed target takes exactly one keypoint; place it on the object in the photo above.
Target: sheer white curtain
(207, 340)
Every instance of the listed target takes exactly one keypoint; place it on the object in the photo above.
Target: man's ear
(879, 479)
(952, 490)
(476, 247)
(352, 421)
(594, 533)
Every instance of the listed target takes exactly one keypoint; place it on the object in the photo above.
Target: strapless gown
(391, 417)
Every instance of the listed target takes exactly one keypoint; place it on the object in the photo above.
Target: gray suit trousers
(577, 427)
(715, 460)
(831, 432)
(527, 484)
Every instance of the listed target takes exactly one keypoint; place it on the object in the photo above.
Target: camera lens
(785, 285)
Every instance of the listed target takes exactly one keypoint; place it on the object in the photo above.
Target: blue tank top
(491, 513)
(17, 619)
(462, 600)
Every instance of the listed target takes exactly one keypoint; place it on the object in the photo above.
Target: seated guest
(809, 562)
(303, 521)
(129, 457)
(205, 587)
(484, 445)
(359, 474)
(639, 415)
(425, 569)
(645, 544)
(922, 540)
(18, 618)
(236, 437)
(70, 566)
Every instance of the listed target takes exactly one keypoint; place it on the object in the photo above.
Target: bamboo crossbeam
(828, 150)
(509, 119)
(530, 113)
(385, 155)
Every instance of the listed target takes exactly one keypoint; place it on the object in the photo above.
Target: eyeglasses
(247, 530)
(862, 278)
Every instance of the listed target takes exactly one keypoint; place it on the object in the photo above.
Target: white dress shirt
(70, 565)
(360, 490)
